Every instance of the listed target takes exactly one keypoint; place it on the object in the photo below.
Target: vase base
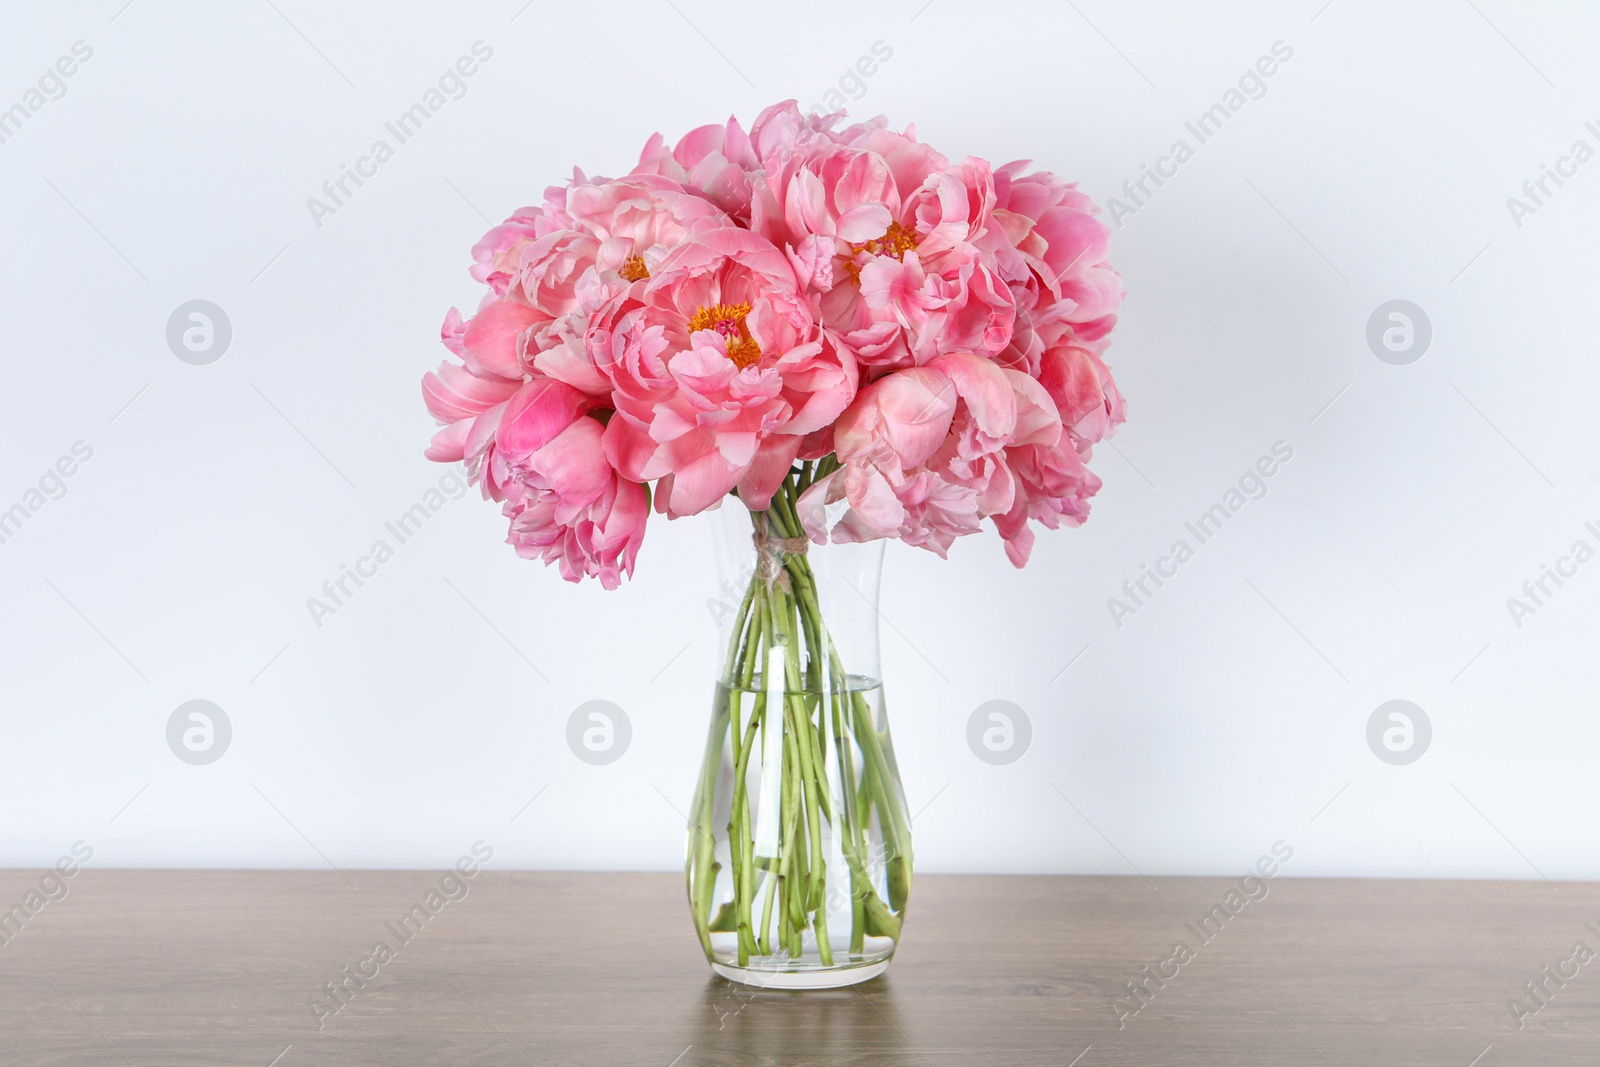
(821, 978)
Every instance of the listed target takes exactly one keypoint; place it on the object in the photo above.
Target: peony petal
(574, 462)
(812, 507)
(738, 448)
(631, 451)
(697, 144)
(916, 408)
(697, 485)
(453, 392)
(450, 332)
(489, 343)
(483, 430)
(536, 414)
(983, 385)
(570, 363)
(874, 507)
(864, 222)
(1038, 422)
(770, 466)
(449, 444)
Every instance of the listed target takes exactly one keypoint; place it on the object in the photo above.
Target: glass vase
(799, 849)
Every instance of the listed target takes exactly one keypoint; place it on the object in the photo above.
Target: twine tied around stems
(770, 553)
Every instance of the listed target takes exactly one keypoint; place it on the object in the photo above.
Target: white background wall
(1224, 715)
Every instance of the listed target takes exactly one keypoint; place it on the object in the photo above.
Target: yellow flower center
(896, 242)
(728, 320)
(633, 269)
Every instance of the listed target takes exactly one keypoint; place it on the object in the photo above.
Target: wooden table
(222, 967)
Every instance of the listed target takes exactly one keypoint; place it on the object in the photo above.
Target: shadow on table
(858, 1024)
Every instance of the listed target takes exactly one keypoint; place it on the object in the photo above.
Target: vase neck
(838, 582)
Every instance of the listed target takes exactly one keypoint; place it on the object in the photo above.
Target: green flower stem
(740, 836)
(898, 831)
(780, 614)
(800, 730)
(704, 869)
(875, 770)
(854, 820)
(813, 775)
(765, 941)
(786, 848)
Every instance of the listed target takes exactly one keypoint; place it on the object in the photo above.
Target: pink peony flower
(492, 341)
(503, 438)
(637, 221)
(1081, 388)
(891, 237)
(579, 254)
(923, 452)
(1053, 487)
(721, 162)
(1069, 290)
(457, 398)
(568, 506)
(720, 373)
(825, 191)
(497, 258)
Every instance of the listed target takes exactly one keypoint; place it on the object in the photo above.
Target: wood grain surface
(221, 968)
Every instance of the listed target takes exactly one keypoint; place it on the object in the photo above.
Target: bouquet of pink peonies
(823, 316)
(858, 338)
